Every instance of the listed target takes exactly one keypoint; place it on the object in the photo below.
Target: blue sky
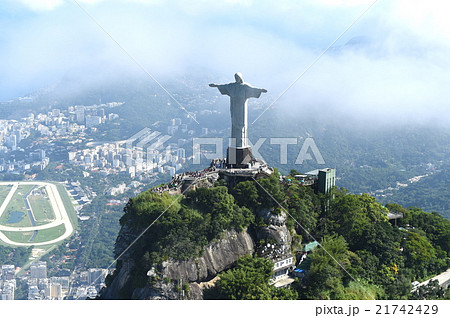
(401, 64)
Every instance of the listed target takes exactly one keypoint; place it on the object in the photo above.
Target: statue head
(239, 78)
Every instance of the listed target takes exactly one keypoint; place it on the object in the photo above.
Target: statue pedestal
(238, 157)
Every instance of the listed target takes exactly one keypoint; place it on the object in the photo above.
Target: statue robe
(239, 94)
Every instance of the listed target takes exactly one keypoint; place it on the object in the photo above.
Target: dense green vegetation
(21, 292)
(98, 234)
(384, 256)
(11, 177)
(16, 256)
(362, 255)
(326, 278)
(248, 280)
(430, 291)
(186, 225)
(56, 266)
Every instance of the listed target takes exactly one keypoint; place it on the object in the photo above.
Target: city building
(96, 276)
(324, 179)
(38, 270)
(283, 263)
(53, 291)
(7, 290)
(92, 121)
(33, 292)
(327, 179)
(281, 269)
(64, 281)
(79, 112)
(8, 272)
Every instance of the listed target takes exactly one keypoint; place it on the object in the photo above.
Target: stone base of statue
(239, 157)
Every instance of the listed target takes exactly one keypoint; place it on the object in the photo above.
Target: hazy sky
(395, 60)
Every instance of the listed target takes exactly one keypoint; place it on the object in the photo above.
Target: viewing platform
(218, 169)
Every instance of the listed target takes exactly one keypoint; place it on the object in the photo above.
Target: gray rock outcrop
(217, 257)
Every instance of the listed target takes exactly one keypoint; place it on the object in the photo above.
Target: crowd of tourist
(218, 164)
(177, 180)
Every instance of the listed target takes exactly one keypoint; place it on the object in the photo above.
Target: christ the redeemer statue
(239, 93)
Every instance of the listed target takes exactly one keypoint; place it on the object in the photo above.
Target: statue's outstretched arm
(254, 91)
(223, 88)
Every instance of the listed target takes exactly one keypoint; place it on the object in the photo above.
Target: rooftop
(311, 246)
(284, 282)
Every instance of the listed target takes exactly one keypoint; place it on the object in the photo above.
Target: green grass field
(42, 210)
(4, 190)
(20, 237)
(49, 234)
(17, 204)
(42, 235)
(43, 214)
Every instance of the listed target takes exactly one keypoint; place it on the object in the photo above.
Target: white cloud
(402, 69)
(41, 5)
(48, 5)
(428, 19)
(344, 3)
(92, 1)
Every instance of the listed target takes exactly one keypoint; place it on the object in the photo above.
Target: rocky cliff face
(217, 257)
(276, 230)
(170, 278)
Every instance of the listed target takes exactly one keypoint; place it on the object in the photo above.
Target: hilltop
(222, 241)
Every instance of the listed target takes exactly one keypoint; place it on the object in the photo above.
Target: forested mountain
(380, 259)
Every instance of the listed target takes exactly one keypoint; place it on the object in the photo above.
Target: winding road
(61, 215)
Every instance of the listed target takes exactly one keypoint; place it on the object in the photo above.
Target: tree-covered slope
(362, 255)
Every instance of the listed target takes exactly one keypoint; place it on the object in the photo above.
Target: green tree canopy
(248, 280)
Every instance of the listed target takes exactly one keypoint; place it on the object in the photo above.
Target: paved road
(443, 278)
(30, 228)
(62, 217)
(9, 196)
